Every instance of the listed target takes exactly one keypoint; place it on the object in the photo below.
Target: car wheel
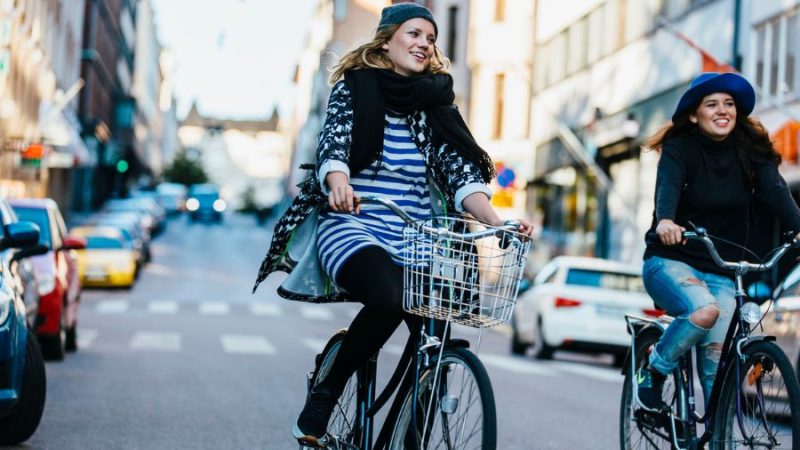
(517, 347)
(53, 347)
(540, 348)
(23, 420)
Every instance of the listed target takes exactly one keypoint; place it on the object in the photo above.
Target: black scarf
(375, 90)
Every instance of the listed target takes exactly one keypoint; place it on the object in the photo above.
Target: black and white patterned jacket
(294, 242)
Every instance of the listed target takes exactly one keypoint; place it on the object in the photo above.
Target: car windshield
(607, 280)
(39, 217)
(103, 242)
(206, 199)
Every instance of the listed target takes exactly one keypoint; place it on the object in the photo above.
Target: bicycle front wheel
(451, 409)
(760, 404)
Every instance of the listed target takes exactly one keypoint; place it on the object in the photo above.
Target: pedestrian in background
(391, 128)
(716, 161)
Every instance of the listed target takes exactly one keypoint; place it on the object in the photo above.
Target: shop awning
(61, 130)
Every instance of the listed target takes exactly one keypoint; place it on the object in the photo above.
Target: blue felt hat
(710, 82)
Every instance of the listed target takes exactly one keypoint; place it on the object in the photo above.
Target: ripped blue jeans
(681, 290)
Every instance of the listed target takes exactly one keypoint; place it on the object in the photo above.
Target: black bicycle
(456, 271)
(755, 400)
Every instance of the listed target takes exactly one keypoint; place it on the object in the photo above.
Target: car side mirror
(19, 235)
(27, 252)
(73, 243)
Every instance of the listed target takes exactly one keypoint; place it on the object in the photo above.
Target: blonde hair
(372, 55)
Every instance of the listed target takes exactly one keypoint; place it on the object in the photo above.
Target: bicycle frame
(736, 339)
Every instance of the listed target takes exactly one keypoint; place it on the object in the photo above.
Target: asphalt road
(188, 358)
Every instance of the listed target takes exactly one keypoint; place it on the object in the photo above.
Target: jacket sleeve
(463, 177)
(773, 192)
(333, 150)
(670, 178)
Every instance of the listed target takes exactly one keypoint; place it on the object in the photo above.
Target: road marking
(162, 307)
(214, 308)
(598, 373)
(316, 345)
(515, 365)
(86, 337)
(265, 309)
(154, 340)
(112, 307)
(246, 344)
(317, 312)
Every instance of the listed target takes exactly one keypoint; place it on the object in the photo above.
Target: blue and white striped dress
(401, 177)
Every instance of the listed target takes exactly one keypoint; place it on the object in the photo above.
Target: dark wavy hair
(750, 138)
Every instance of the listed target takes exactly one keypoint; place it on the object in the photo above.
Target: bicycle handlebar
(511, 226)
(701, 235)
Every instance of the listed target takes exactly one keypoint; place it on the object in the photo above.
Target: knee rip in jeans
(706, 316)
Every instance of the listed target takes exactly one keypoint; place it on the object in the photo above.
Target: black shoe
(312, 425)
(650, 385)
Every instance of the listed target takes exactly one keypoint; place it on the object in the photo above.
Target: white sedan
(579, 303)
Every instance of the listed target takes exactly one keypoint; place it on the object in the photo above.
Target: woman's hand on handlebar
(670, 233)
(341, 198)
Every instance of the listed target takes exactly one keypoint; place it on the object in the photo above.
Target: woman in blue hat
(715, 162)
(391, 130)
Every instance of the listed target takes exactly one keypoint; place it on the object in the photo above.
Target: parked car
(57, 276)
(131, 229)
(147, 202)
(579, 303)
(782, 318)
(130, 206)
(23, 385)
(108, 259)
(204, 203)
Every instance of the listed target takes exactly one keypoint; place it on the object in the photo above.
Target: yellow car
(108, 259)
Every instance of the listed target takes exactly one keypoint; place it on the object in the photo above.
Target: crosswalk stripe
(112, 307)
(265, 309)
(318, 312)
(215, 308)
(515, 365)
(86, 337)
(246, 344)
(156, 340)
(316, 345)
(162, 307)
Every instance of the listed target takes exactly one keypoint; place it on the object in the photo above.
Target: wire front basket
(472, 282)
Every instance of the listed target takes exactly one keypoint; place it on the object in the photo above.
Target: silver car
(782, 320)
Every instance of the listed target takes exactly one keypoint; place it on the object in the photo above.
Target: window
(775, 56)
(612, 29)
(500, 10)
(499, 91)
(594, 46)
(605, 280)
(576, 56)
(452, 32)
(39, 217)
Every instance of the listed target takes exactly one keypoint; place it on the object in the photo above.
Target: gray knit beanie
(400, 12)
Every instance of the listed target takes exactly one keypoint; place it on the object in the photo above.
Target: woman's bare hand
(669, 232)
(341, 198)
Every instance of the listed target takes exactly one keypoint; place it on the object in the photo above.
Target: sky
(236, 58)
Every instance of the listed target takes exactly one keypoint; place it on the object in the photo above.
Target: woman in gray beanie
(391, 129)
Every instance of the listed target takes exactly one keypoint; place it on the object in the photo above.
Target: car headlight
(5, 307)
(219, 205)
(750, 313)
(47, 282)
(192, 204)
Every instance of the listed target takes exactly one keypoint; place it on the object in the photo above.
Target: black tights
(370, 276)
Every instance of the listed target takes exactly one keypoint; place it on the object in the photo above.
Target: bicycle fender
(457, 343)
(651, 328)
(730, 360)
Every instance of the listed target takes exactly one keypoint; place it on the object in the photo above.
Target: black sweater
(702, 181)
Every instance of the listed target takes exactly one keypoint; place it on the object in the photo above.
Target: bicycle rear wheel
(640, 429)
(768, 399)
(453, 409)
(342, 426)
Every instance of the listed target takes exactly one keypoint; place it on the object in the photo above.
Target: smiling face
(716, 115)
(411, 47)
